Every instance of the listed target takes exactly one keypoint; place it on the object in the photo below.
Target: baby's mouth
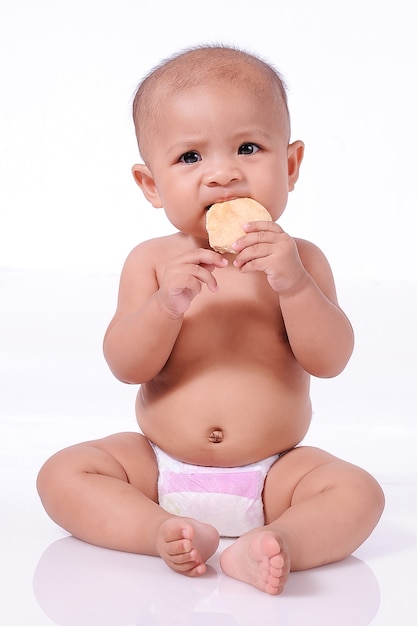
(222, 200)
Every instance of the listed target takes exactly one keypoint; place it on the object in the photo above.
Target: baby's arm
(319, 333)
(149, 314)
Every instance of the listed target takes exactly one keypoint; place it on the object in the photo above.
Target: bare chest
(242, 320)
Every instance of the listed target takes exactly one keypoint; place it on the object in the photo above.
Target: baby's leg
(105, 492)
(318, 509)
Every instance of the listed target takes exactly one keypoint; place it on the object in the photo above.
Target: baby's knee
(364, 494)
(51, 477)
(376, 496)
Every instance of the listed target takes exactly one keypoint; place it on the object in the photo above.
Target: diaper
(228, 498)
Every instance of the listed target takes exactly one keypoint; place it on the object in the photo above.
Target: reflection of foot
(185, 544)
(259, 558)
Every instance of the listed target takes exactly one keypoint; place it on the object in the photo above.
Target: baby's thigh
(135, 455)
(299, 474)
(124, 456)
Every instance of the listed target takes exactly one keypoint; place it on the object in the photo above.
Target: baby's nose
(223, 173)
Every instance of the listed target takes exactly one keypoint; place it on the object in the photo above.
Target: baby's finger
(262, 225)
(256, 238)
(205, 257)
(204, 273)
(250, 254)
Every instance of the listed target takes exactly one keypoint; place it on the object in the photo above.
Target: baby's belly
(224, 418)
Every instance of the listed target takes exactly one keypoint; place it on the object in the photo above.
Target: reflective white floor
(56, 390)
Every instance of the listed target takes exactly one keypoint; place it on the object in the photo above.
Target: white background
(69, 70)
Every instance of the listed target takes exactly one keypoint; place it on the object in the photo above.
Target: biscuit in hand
(225, 220)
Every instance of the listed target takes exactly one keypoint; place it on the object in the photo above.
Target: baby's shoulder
(308, 250)
(156, 248)
(144, 262)
(316, 264)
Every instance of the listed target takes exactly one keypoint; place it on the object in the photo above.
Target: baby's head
(204, 66)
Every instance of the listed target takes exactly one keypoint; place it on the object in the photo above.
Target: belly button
(216, 436)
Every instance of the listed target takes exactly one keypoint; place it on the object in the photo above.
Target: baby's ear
(295, 156)
(143, 177)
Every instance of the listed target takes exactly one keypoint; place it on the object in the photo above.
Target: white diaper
(228, 498)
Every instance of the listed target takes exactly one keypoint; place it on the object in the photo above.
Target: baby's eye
(248, 148)
(190, 157)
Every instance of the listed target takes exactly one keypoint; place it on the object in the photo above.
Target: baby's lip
(224, 199)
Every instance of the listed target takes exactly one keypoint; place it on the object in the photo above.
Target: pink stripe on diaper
(238, 484)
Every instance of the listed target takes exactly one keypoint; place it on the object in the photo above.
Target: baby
(223, 347)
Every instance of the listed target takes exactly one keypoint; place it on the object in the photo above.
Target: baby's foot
(259, 558)
(185, 544)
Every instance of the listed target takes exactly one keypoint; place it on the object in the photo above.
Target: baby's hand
(267, 248)
(184, 278)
